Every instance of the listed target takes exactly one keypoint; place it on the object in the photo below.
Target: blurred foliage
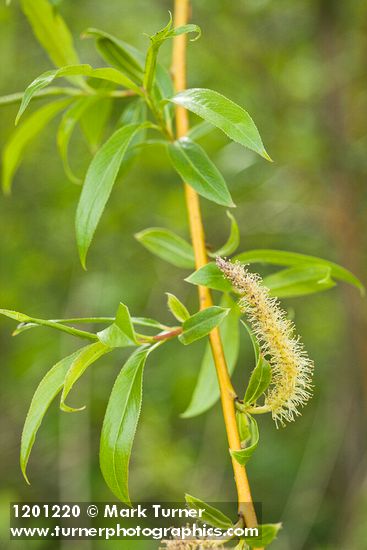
(299, 68)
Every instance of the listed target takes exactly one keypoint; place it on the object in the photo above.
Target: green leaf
(294, 259)
(108, 73)
(131, 62)
(119, 54)
(200, 130)
(121, 333)
(120, 423)
(134, 113)
(167, 245)
(259, 381)
(66, 128)
(206, 392)
(267, 533)
(94, 120)
(195, 168)
(234, 121)
(99, 181)
(243, 456)
(146, 322)
(210, 276)
(139, 321)
(156, 41)
(51, 91)
(210, 515)
(232, 242)
(243, 426)
(46, 391)
(22, 318)
(299, 281)
(202, 323)
(51, 31)
(23, 135)
(177, 308)
(87, 357)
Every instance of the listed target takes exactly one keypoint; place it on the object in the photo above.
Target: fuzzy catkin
(292, 369)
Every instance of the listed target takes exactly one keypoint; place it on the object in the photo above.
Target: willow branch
(227, 393)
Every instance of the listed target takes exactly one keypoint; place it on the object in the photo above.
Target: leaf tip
(265, 155)
(66, 408)
(23, 467)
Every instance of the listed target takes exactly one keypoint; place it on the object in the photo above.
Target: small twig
(167, 335)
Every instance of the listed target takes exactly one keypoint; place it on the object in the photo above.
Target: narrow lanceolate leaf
(119, 54)
(51, 31)
(23, 135)
(243, 456)
(94, 121)
(210, 515)
(130, 61)
(121, 333)
(177, 308)
(232, 242)
(206, 392)
(167, 245)
(200, 130)
(66, 128)
(210, 276)
(156, 41)
(99, 181)
(87, 357)
(299, 281)
(119, 425)
(195, 168)
(33, 321)
(267, 534)
(108, 73)
(234, 121)
(259, 381)
(47, 390)
(201, 323)
(294, 259)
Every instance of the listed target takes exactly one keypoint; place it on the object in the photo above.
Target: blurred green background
(300, 70)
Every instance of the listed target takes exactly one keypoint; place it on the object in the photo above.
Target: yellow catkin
(292, 369)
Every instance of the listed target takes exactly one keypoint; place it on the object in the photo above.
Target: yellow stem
(227, 392)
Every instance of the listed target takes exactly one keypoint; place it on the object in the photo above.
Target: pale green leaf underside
(243, 456)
